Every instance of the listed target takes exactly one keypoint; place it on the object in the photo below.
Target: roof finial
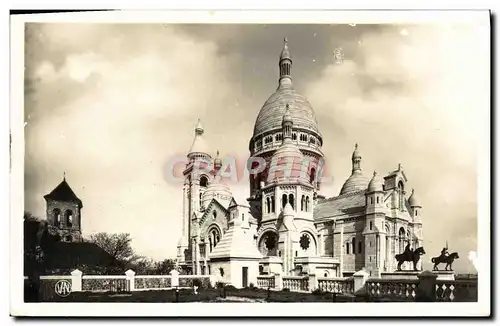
(399, 166)
(64, 176)
(356, 146)
(286, 40)
(217, 153)
(374, 173)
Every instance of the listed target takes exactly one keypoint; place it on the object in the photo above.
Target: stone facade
(296, 230)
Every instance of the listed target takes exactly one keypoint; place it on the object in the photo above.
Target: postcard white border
(19, 308)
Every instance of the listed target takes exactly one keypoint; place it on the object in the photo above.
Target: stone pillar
(197, 250)
(174, 281)
(76, 281)
(360, 278)
(278, 282)
(426, 288)
(130, 274)
(341, 257)
(313, 282)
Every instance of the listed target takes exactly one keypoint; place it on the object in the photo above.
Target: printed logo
(63, 288)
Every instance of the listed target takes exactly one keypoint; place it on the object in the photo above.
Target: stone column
(341, 256)
(197, 251)
(360, 278)
(278, 282)
(76, 281)
(174, 281)
(313, 282)
(426, 288)
(130, 274)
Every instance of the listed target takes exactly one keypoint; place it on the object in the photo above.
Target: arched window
(283, 200)
(371, 225)
(307, 204)
(347, 248)
(268, 205)
(203, 181)
(272, 205)
(302, 202)
(312, 176)
(243, 217)
(56, 213)
(215, 215)
(68, 218)
(291, 201)
(353, 245)
(401, 235)
(401, 190)
(377, 199)
(201, 194)
(294, 136)
(360, 247)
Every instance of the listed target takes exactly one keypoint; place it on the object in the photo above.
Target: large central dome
(272, 111)
(271, 114)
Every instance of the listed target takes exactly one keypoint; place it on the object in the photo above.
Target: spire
(285, 64)
(356, 159)
(199, 145)
(287, 124)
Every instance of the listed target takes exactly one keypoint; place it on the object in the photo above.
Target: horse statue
(410, 255)
(446, 259)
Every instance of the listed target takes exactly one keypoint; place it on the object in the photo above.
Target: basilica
(287, 226)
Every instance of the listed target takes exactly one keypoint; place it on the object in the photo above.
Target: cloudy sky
(111, 104)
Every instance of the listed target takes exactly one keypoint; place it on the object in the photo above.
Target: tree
(164, 267)
(117, 245)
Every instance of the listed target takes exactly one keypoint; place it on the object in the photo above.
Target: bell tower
(63, 211)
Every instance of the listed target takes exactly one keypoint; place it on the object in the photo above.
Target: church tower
(63, 211)
(196, 180)
(374, 231)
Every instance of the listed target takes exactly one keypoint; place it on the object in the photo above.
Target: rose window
(305, 241)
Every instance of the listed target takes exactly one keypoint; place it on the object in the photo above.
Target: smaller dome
(376, 183)
(356, 182)
(413, 200)
(288, 210)
(356, 154)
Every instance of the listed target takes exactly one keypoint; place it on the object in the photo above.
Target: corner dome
(413, 200)
(219, 191)
(356, 182)
(376, 183)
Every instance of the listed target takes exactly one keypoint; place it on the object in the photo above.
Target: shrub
(197, 282)
(219, 285)
(285, 290)
(230, 287)
(252, 286)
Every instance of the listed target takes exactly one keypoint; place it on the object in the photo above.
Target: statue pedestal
(402, 275)
(444, 275)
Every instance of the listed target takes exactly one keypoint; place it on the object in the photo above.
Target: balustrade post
(278, 282)
(426, 288)
(130, 274)
(76, 281)
(175, 278)
(360, 278)
(313, 282)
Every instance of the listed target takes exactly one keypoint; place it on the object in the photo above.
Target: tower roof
(413, 200)
(199, 145)
(356, 154)
(63, 192)
(376, 183)
(285, 53)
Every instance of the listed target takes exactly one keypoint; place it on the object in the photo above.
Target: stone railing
(266, 281)
(336, 285)
(108, 283)
(456, 291)
(296, 283)
(400, 289)
(152, 282)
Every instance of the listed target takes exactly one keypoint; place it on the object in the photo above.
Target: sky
(110, 105)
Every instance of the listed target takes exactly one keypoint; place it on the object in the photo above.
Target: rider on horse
(444, 253)
(407, 248)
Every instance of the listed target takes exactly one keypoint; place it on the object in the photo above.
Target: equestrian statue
(445, 258)
(411, 256)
